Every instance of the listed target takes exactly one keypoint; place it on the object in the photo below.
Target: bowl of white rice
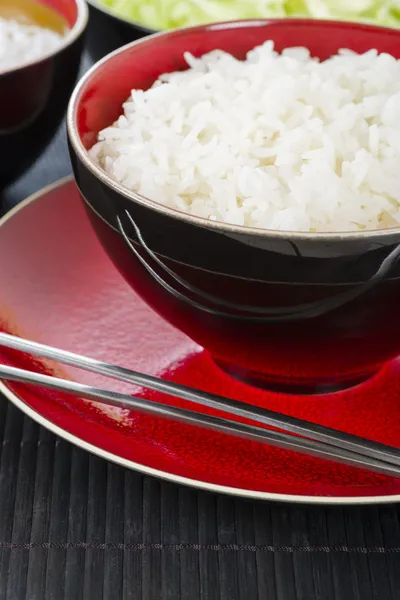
(40, 50)
(245, 179)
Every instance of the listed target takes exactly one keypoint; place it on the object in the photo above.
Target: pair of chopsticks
(295, 434)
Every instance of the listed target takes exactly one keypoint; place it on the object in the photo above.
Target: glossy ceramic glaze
(70, 295)
(311, 313)
(107, 32)
(33, 98)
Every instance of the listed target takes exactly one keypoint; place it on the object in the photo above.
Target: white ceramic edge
(210, 487)
(72, 34)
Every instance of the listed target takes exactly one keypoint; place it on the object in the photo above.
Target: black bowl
(299, 312)
(107, 32)
(34, 97)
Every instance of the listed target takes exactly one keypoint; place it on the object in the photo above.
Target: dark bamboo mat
(74, 527)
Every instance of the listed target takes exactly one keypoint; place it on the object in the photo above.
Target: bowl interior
(100, 97)
(68, 9)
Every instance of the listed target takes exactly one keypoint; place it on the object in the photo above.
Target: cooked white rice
(21, 43)
(277, 141)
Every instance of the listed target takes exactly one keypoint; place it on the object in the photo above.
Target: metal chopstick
(249, 432)
(340, 440)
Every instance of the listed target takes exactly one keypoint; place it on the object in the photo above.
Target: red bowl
(34, 96)
(300, 312)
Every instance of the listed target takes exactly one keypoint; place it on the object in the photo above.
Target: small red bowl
(34, 96)
(299, 312)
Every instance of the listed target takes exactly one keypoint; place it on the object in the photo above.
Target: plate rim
(17, 401)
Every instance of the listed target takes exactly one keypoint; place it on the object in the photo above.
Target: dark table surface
(74, 527)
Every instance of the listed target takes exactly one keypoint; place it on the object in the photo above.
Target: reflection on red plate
(59, 287)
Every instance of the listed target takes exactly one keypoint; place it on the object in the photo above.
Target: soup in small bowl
(247, 189)
(40, 50)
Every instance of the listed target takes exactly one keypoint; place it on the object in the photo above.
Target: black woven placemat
(74, 527)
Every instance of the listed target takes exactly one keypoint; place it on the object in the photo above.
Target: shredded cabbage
(169, 14)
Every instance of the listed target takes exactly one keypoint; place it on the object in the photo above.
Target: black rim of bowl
(130, 22)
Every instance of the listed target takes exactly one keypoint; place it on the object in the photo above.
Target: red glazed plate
(58, 287)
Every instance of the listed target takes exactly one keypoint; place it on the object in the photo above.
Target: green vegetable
(169, 14)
